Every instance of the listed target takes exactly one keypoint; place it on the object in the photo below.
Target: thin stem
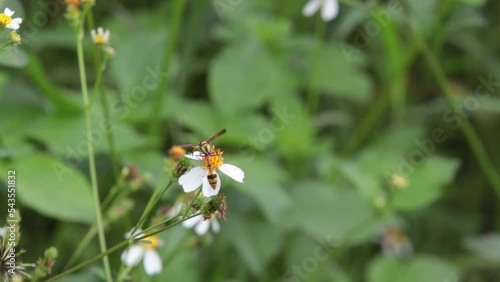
(470, 134)
(119, 246)
(192, 202)
(81, 246)
(99, 88)
(152, 203)
(89, 261)
(367, 123)
(148, 230)
(313, 91)
(178, 11)
(88, 126)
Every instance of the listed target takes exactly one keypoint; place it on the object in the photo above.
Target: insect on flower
(206, 150)
(211, 160)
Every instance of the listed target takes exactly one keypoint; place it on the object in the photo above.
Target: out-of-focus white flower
(6, 20)
(147, 250)
(329, 9)
(201, 225)
(101, 37)
(200, 175)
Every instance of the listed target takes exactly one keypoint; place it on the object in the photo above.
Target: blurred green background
(350, 133)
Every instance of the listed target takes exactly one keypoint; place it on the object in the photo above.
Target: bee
(207, 149)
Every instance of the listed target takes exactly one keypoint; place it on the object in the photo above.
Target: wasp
(207, 149)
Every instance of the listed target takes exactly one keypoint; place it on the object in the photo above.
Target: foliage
(323, 118)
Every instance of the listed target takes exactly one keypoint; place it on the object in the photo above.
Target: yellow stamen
(99, 39)
(152, 242)
(4, 20)
(216, 160)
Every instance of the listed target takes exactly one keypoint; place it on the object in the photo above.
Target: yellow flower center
(99, 39)
(152, 242)
(4, 20)
(214, 161)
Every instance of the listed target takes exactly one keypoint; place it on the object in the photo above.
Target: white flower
(329, 9)
(152, 260)
(6, 20)
(101, 37)
(201, 225)
(198, 176)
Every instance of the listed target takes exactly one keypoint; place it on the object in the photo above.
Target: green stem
(113, 194)
(313, 91)
(155, 198)
(191, 204)
(99, 88)
(178, 11)
(88, 125)
(119, 246)
(89, 261)
(148, 230)
(367, 123)
(473, 139)
(81, 246)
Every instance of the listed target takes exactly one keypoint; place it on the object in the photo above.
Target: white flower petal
(12, 25)
(133, 255)
(330, 10)
(202, 227)
(138, 233)
(192, 179)
(311, 7)
(152, 262)
(190, 223)
(8, 12)
(233, 171)
(208, 191)
(17, 21)
(196, 155)
(215, 225)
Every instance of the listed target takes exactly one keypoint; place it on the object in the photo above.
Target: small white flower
(197, 176)
(329, 9)
(6, 20)
(201, 225)
(152, 260)
(101, 37)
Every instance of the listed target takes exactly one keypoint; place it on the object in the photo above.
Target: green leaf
(336, 73)
(426, 183)
(473, 2)
(13, 56)
(149, 162)
(262, 183)
(421, 269)
(485, 246)
(138, 73)
(54, 189)
(67, 136)
(246, 235)
(386, 153)
(322, 210)
(244, 76)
